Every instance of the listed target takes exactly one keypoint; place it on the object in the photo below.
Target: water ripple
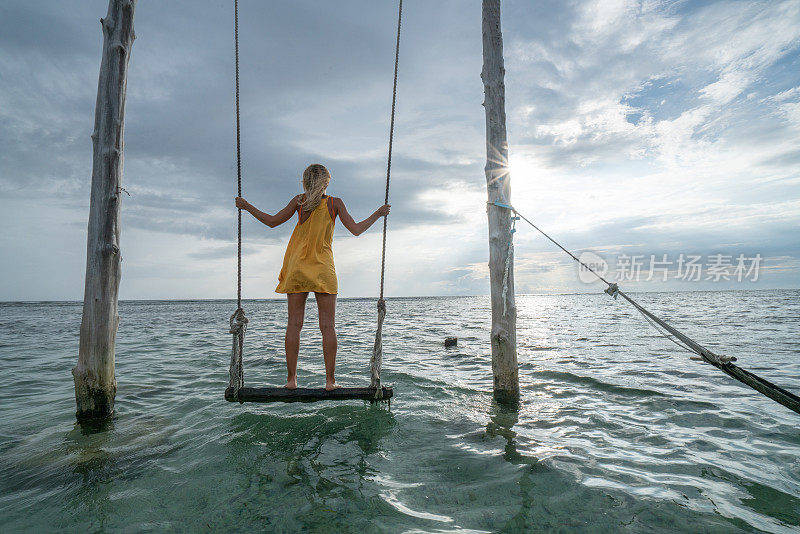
(617, 431)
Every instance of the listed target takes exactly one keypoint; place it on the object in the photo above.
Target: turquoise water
(617, 431)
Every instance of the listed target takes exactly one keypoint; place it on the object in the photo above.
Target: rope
(238, 321)
(556, 243)
(238, 327)
(724, 363)
(377, 348)
(377, 352)
(238, 160)
(391, 139)
(509, 261)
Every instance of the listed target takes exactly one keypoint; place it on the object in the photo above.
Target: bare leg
(297, 310)
(326, 304)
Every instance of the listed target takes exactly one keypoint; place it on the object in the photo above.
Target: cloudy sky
(636, 129)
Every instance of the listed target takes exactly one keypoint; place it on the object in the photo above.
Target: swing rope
(238, 321)
(377, 348)
(721, 362)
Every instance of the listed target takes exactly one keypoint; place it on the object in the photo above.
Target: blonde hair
(315, 180)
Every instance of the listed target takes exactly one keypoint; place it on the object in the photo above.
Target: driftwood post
(95, 385)
(501, 255)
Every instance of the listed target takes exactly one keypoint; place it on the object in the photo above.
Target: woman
(308, 262)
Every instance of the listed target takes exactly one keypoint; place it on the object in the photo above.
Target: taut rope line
(377, 348)
(724, 363)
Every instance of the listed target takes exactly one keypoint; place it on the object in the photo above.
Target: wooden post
(501, 256)
(95, 385)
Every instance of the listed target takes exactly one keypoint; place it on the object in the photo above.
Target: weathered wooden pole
(95, 385)
(501, 252)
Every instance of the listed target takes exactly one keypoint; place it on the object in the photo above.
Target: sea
(617, 430)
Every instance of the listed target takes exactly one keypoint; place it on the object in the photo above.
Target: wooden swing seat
(281, 394)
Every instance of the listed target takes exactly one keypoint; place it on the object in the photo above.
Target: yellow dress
(308, 262)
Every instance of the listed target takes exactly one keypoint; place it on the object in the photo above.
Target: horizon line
(201, 299)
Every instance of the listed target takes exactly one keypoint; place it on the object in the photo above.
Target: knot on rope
(377, 352)
(613, 290)
(719, 359)
(502, 205)
(238, 327)
(238, 322)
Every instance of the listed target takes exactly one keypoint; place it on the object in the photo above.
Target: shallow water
(618, 430)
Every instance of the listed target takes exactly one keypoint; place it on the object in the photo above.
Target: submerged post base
(507, 398)
(93, 402)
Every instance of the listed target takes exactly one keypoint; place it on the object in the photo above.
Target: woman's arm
(358, 228)
(270, 220)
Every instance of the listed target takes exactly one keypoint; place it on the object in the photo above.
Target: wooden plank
(280, 394)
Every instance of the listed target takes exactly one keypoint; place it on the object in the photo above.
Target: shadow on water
(95, 467)
(87, 446)
(95, 426)
(278, 434)
(503, 417)
(303, 471)
(79, 464)
(100, 454)
(80, 456)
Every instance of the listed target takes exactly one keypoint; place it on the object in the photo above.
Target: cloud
(633, 126)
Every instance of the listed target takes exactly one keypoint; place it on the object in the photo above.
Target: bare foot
(291, 384)
(330, 386)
